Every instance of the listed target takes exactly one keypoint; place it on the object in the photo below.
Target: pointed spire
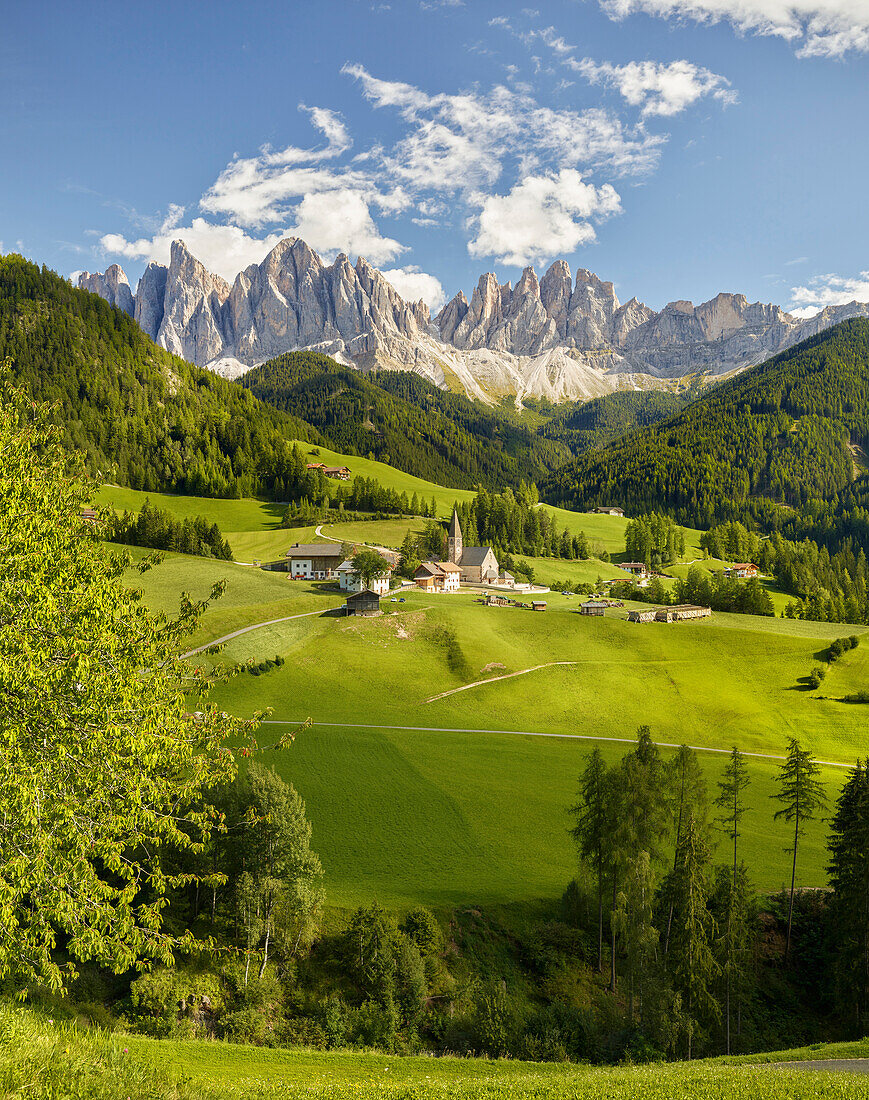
(455, 531)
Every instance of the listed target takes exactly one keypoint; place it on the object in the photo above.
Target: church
(478, 564)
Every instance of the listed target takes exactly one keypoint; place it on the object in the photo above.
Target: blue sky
(676, 147)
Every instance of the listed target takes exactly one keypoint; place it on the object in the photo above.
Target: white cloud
(459, 143)
(223, 249)
(657, 88)
(413, 284)
(340, 221)
(541, 217)
(828, 290)
(820, 28)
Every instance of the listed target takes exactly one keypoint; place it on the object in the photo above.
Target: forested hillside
(136, 414)
(594, 424)
(401, 419)
(781, 432)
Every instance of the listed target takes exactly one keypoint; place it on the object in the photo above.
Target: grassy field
(48, 1059)
(452, 810)
(240, 1071)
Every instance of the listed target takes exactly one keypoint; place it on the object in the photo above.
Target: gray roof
(475, 555)
(316, 550)
(363, 597)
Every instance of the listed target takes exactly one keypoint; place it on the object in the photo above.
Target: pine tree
(590, 830)
(692, 962)
(732, 804)
(802, 795)
(848, 845)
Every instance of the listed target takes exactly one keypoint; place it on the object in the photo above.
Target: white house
(349, 581)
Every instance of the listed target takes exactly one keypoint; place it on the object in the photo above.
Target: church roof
(475, 555)
(455, 529)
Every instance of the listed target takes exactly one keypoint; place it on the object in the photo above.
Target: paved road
(256, 626)
(535, 733)
(829, 1065)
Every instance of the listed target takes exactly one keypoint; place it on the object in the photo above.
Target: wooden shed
(365, 602)
(538, 605)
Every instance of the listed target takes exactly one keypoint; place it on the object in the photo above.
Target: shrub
(421, 926)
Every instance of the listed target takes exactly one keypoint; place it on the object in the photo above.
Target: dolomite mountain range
(556, 337)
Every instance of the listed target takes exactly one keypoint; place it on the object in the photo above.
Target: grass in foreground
(57, 1061)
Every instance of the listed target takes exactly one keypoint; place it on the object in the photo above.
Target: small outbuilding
(609, 510)
(365, 602)
(646, 616)
(593, 607)
(679, 612)
(538, 605)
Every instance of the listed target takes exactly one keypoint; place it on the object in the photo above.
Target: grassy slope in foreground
(439, 815)
(245, 1071)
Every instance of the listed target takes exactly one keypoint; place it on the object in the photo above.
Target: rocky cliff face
(111, 284)
(556, 337)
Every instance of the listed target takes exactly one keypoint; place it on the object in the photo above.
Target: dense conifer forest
(781, 432)
(405, 421)
(136, 414)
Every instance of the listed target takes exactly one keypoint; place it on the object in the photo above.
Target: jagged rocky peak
(558, 337)
(112, 284)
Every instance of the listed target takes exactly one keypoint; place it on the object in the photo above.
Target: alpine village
(416, 693)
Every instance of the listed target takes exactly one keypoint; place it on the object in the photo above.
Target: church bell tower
(454, 541)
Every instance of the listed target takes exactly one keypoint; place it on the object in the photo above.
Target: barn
(365, 602)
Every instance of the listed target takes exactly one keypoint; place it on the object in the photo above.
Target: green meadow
(465, 804)
(50, 1059)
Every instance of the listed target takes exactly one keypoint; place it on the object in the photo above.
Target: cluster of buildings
(342, 473)
(463, 565)
(675, 614)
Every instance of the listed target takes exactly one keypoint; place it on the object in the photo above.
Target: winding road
(255, 626)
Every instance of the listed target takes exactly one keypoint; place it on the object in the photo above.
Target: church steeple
(454, 540)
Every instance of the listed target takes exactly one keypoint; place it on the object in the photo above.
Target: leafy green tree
(848, 846)
(731, 802)
(276, 847)
(102, 768)
(802, 794)
(369, 566)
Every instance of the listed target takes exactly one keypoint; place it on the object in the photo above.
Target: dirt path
(255, 626)
(534, 733)
(494, 679)
(828, 1065)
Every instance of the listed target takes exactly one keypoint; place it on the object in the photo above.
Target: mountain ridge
(556, 337)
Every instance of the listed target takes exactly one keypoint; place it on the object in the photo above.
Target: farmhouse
(681, 611)
(593, 607)
(477, 564)
(635, 568)
(314, 561)
(740, 570)
(437, 576)
(340, 472)
(365, 602)
(348, 581)
(610, 511)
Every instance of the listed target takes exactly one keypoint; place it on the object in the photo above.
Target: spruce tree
(732, 804)
(692, 962)
(848, 845)
(802, 795)
(590, 830)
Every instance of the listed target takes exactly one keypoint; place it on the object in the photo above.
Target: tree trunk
(613, 938)
(262, 969)
(599, 917)
(793, 881)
